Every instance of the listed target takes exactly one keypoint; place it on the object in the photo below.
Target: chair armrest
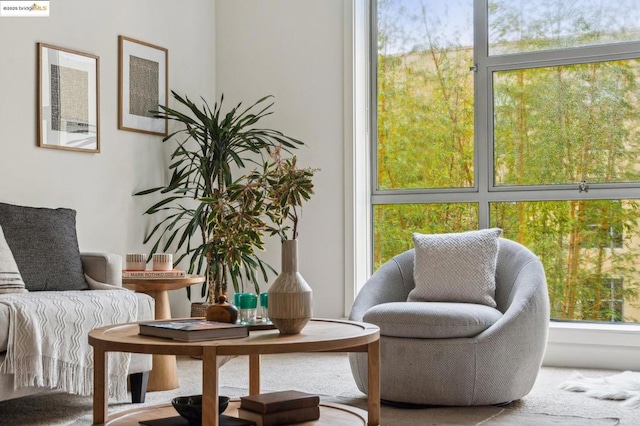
(103, 267)
(392, 282)
(527, 312)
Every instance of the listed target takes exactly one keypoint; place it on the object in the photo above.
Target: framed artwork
(143, 71)
(68, 99)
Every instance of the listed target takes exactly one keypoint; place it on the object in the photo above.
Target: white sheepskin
(623, 386)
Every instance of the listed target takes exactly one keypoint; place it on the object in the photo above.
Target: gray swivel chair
(453, 353)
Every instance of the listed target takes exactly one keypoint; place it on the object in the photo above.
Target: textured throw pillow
(45, 246)
(10, 278)
(457, 267)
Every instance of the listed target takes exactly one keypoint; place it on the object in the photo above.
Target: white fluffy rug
(622, 386)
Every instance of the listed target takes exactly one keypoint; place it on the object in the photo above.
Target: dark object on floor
(190, 407)
(138, 382)
(180, 421)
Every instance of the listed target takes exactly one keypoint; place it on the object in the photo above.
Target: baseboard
(593, 345)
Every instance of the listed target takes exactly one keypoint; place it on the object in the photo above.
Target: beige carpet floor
(329, 376)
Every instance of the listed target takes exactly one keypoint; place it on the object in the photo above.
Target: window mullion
(482, 111)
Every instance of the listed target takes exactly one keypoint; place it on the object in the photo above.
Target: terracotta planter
(290, 297)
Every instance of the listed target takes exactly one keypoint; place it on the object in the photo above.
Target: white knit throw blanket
(48, 338)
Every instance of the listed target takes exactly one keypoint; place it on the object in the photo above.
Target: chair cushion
(45, 246)
(431, 320)
(10, 278)
(458, 267)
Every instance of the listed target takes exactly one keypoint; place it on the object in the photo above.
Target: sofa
(47, 281)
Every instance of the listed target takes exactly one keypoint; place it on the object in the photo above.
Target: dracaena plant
(287, 186)
(213, 209)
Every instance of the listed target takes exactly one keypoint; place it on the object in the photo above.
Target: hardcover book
(193, 330)
(280, 418)
(271, 402)
(150, 273)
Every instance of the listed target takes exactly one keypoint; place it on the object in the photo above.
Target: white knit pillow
(456, 267)
(10, 278)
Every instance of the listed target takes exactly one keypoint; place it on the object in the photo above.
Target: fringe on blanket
(71, 378)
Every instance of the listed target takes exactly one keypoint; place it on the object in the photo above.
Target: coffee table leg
(254, 374)
(209, 386)
(373, 379)
(100, 386)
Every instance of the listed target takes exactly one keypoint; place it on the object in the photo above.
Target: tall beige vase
(290, 297)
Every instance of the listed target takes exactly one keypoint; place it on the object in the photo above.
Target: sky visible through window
(414, 25)
(408, 25)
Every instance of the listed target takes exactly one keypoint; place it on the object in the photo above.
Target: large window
(519, 114)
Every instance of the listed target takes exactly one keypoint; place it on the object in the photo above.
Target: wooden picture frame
(143, 75)
(68, 99)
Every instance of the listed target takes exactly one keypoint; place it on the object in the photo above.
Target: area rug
(509, 418)
(510, 415)
(622, 386)
(329, 375)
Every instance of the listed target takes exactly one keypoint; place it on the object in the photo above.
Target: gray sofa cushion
(431, 320)
(45, 246)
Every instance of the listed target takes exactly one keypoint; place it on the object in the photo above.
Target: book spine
(156, 274)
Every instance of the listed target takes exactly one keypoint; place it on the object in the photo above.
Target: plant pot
(290, 297)
(199, 309)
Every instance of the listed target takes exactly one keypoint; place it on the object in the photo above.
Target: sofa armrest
(103, 267)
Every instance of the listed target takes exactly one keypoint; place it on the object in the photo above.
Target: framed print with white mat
(68, 99)
(143, 70)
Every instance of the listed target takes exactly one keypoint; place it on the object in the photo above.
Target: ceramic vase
(290, 297)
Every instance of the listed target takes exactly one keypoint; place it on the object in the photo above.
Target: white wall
(293, 49)
(98, 186)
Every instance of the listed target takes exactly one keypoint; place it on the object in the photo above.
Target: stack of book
(152, 273)
(279, 408)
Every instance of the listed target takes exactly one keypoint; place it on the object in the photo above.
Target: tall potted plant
(213, 212)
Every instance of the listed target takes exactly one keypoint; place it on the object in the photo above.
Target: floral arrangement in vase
(290, 297)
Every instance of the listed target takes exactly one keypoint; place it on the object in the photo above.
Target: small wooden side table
(164, 374)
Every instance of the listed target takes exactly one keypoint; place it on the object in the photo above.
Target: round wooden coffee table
(320, 335)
